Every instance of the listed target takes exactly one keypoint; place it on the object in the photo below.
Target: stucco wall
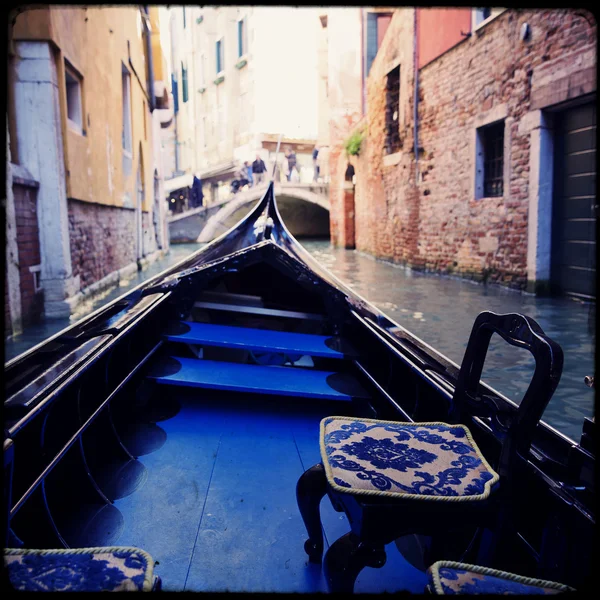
(439, 30)
(97, 42)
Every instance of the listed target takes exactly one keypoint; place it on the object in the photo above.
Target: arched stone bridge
(303, 207)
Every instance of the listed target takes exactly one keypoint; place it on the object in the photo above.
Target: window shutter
(371, 39)
(175, 93)
(184, 83)
(218, 53)
(240, 38)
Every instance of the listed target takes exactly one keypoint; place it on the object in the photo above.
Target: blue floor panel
(162, 515)
(265, 340)
(218, 510)
(251, 537)
(289, 381)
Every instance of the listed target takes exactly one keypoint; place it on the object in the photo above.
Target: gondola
(249, 423)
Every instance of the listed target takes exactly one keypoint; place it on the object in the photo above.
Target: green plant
(354, 142)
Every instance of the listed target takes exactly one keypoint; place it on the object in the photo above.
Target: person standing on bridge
(315, 156)
(258, 169)
(291, 160)
(197, 194)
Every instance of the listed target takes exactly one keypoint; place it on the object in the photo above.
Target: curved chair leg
(310, 489)
(346, 558)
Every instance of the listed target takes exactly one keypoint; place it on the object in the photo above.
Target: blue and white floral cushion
(447, 577)
(428, 461)
(114, 569)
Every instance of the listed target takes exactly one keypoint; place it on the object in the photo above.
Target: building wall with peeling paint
(98, 43)
(98, 204)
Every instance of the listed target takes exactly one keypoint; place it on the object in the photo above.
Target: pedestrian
(249, 173)
(197, 194)
(316, 169)
(258, 169)
(291, 161)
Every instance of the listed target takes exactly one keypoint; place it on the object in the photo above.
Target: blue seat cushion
(446, 577)
(417, 461)
(80, 569)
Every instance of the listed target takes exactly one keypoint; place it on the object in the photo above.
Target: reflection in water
(441, 310)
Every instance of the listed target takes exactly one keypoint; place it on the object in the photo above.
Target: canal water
(440, 310)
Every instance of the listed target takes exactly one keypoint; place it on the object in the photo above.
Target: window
(175, 92)
(183, 14)
(483, 15)
(490, 161)
(73, 85)
(392, 111)
(184, 83)
(220, 53)
(204, 136)
(377, 24)
(126, 87)
(242, 37)
(144, 113)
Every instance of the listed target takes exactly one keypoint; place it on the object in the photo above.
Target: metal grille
(493, 161)
(392, 112)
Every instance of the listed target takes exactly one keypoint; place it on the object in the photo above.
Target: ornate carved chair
(393, 479)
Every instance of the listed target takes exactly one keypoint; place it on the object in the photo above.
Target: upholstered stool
(393, 479)
(447, 577)
(432, 461)
(114, 569)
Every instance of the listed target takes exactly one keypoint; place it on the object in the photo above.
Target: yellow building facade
(83, 83)
(97, 46)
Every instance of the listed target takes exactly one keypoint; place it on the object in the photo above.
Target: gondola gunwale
(278, 236)
(272, 240)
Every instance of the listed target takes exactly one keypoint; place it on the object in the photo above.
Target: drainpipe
(416, 99)
(150, 59)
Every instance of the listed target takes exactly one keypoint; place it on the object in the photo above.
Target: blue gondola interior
(187, 431)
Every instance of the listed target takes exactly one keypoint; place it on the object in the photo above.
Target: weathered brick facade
(102, 240)
(435, 222)
(28, 241)
(338, 161)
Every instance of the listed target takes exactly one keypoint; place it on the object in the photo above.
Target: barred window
(392, 112)
(493, 159)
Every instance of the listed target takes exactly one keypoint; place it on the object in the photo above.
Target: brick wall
(436, 224)
(386, 202)
(28, 242)
(338, 160)
(102, 240)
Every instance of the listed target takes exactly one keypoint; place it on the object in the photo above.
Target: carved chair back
(514, 428)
